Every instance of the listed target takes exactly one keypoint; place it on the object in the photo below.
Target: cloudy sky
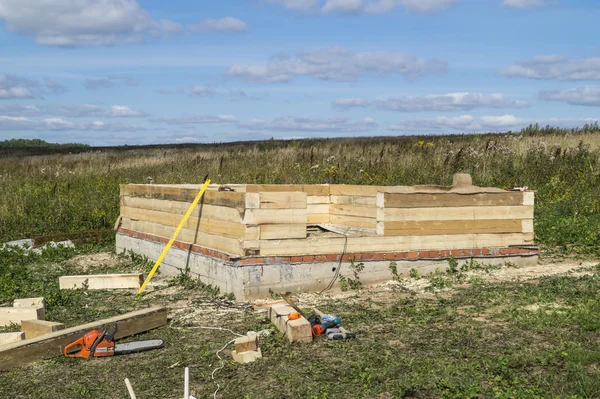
(111, 72)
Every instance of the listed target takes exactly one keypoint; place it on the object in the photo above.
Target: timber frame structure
(250, 238)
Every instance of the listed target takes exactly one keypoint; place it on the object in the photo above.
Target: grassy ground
(474, 332)
(62, 192)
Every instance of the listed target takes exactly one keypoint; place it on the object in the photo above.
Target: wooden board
(321, 245)
(298, 330)
(354, 200)
(10, 316)
(275, 216)
(354, 210)
(51, 345)
(181, 194)
(283, 200)
(361, 191)
(318, 209)
(317, 218)
(29, 303)
(35, 328)
(447, 227)
(353, 221)
(180, 208)
(220, 243)
(101, 281)
(212, 226)
(282, 231)
(317, 199)
(309, 189)
(458, 213)
(10, 337)
(449, 200)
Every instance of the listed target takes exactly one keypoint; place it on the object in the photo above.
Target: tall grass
(58, 193)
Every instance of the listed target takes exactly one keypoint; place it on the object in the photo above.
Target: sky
(115, 72)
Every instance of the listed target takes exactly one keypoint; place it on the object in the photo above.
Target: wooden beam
(361, 191)
(353, 221)
(298, 330)
(184, 194)
(447, 227)
(449, 200)
(10, 337)
(317, 218)
(318, 209)
(35, 328)
(317, 199)
(180, 208)
(354, 200)
(51, 345)
(29, 303)
(283, 200)
(101, 281)
(309, 189)
(458, 213)
(354, 210)
(282, 231)
(275, 216)
(13, 315)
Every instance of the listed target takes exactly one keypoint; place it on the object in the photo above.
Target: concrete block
(298, 330)
(246, 344)
(29, 302)
(13, 315)
(246, 357)
(9, 338)
(35, 328)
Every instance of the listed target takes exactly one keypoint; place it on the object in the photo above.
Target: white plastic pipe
(130, 389)
(186, 383)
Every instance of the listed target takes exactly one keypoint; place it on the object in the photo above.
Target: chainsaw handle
(82, 351)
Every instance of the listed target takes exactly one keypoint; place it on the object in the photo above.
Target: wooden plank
(317, 218)
(51, 345)
(361, 191)
(212, 226)
(451, 200)
(282, 231)
(275, 216)
(10, 337)
(252, 200)
(317, 199)
(220, 243)
(353, 200)
(252, 232)
(353, 221)
(333, 245)
(180, 208)
(182, 194)
(29, 303)
(298, 330)
(10, 316)
(101, 281)
(284, 200)
(35, 328)
(318, 209)
(527, 226)
(309, 189)
(529, 198)
(446, 227)
(353, 210)
(458, 213)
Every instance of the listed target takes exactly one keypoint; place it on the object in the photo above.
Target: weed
(352, 283)
(414, 273)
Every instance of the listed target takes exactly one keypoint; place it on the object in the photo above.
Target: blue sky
(112, 72)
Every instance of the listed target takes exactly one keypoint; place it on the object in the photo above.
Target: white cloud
(108, 82)
(200, 91)
(55, 87)
(59, 124)
(69, 111)
(556, 68)
(338, 64)
(197, 119)
(524, 3)
(469, 123)
(227, 24)
(13, 87)
(303, 124)
(365, 6)
(434, 102)
(82, 22)
(16, 123)
(584, 95)
(119, 111)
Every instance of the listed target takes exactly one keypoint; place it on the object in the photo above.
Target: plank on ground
(101, 281)
(212, 226)
(220, 243)
(282, 231)
(353, 221)
(354, 210)
(275, 216)
(10, 337)
(298, 330)
(446, 227)
(35, 328)
(333, 245)
(51, 345)
(180, 208)
(181, 194)
(11, 315)
(388, 200)
(457, 213)
(283, 200)
(29, 303)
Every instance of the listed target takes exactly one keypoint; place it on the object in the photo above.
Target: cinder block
(29, 303)
(246, 344)
(9, 338)
(246, 357)
(35, 328)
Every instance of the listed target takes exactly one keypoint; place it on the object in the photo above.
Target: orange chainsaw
(102, 343)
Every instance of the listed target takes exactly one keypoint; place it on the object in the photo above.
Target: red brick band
(364, 256)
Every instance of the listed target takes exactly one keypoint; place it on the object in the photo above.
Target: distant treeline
(38, 147)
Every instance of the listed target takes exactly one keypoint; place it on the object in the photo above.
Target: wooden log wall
(354, 206)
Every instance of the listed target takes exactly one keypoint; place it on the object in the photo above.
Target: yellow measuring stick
(172, 240)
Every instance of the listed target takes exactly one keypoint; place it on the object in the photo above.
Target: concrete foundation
(253, 277)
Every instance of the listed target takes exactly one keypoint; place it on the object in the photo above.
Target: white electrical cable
(129, 388)
(221, 366)
(186, 383)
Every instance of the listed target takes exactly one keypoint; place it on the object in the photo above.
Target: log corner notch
(51, 345)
